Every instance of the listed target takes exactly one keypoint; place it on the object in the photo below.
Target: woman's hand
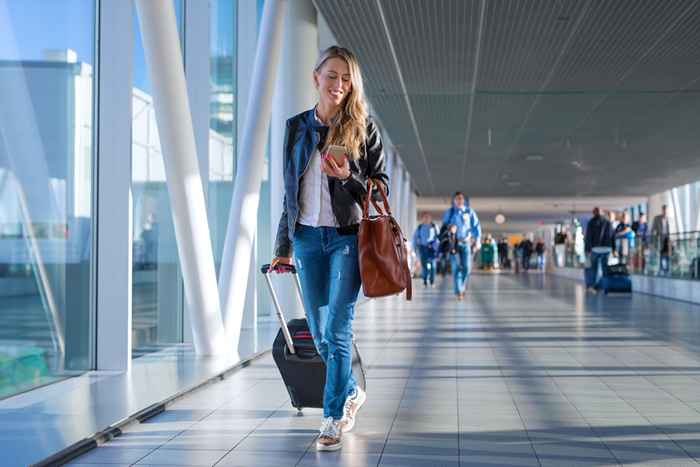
(277, 260)
(331, 168)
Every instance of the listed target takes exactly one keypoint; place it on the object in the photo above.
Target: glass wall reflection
(157, 297)
(222, 119)
(46, 163)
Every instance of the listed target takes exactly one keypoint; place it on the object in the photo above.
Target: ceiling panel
(571, 97)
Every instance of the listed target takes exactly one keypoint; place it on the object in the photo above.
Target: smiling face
(333, 81)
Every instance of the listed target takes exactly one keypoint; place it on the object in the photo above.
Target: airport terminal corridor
(529, 370)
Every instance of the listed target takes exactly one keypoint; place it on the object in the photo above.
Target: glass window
(46, 163)
(157, 297)
(222, 120)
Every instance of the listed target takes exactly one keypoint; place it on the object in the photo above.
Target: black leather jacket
(303, 134)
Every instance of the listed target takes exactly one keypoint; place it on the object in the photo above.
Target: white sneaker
(352, 406)
(331, 435)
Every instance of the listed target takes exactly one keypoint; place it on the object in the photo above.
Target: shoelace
(348, 407)
(328, 428)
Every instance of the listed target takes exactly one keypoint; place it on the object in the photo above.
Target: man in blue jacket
(425, 241)
(464, 222)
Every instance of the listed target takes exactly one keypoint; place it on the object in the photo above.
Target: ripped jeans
(329, 272)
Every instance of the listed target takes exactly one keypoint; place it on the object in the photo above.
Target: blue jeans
(461, 263)
(598, 261)
(427, 263)
(329, 273)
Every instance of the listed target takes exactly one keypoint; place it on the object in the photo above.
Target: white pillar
(244, 206)
(114, 200)
(405, 200)
(164, 59)
(294, 93)
(397, 184)
(197, 70)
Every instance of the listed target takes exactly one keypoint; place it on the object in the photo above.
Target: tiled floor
(527, 371)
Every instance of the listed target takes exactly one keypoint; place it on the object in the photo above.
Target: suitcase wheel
(300, 411)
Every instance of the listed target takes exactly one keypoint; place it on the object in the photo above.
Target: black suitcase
(301, 367)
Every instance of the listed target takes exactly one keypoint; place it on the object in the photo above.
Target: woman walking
(321, 213)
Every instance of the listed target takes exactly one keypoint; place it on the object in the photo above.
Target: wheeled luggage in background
(302, 368)
(616, 279)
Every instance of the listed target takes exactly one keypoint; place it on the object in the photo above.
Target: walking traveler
(488, 253)
(624, 239)
(466, 231)
(319, 224)
(560, 247)
(599, 243)
(539, 250)
(503, 261)
(661, 239)
(641, 231)
(526, 248)
(425, 240)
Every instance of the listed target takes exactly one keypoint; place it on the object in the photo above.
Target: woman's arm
(283, 247)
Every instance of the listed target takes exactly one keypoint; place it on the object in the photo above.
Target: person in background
(661, 239)
(488, 253)
(503, 253)
(560, 247)
(612, 217)
(624, 239)
(425, 241)
(641, 231)
(464, 224)
(599, 242)
(526, 248)
(539, 250)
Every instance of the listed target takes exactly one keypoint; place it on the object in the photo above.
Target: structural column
(405, 201)
(397, 184)
(114, 200)
(164, 59)
(242, 221)
(294, 93)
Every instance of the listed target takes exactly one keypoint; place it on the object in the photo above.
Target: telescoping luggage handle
(282, 268)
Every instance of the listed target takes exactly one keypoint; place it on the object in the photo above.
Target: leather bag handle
(368, 198)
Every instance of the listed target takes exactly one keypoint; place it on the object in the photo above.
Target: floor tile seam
(396, 414)
(250, 432)
(510, 392)
(656, 427)
(695, 377)
(520, 416)
(590, 426)
(646, 378)
(459, 416)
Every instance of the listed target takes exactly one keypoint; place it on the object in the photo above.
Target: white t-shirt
(315, 208)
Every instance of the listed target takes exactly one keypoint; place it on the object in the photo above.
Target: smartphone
(338, 153)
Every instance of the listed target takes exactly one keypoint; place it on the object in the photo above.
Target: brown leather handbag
(382, 251)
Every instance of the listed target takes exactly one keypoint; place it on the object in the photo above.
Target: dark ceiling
(532, 98)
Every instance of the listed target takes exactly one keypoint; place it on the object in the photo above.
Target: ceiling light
(534, 157)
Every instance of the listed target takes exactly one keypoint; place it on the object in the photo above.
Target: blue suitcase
(616, 279)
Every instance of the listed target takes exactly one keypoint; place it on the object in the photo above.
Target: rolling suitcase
(301, 367)
(616, 279)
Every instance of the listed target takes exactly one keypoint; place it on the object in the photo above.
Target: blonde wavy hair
(349, 126)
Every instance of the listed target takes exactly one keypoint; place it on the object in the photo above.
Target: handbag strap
(368, 199)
